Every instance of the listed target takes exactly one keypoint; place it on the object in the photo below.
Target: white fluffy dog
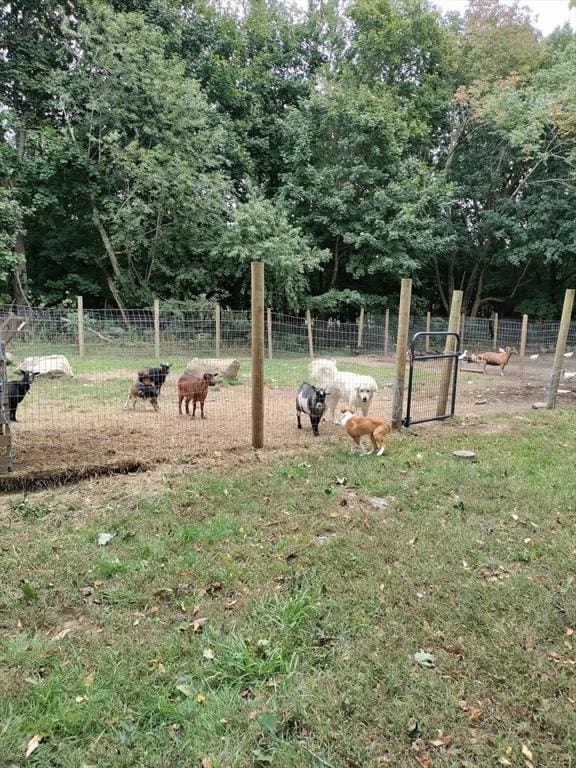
(355, 389)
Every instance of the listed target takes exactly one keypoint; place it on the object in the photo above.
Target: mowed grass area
(268, 612)
(109, 378)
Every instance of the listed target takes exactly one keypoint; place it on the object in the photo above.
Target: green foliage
(382, 141)
(261, 231)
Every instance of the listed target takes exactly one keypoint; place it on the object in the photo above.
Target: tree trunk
(440, 286)
(478, 297)
(335, 264)
(20, 275)
(113, 259)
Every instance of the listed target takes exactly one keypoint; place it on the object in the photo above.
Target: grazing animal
(358, 426)
(142, 391)
(191, 388)
(310, 400)
(17, 392)
(155, 376)
(495, 358)
(355, 389)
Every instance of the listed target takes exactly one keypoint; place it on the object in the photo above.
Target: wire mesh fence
(88, 419)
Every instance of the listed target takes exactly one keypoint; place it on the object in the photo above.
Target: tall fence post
(257, 354)
(401, 348)
(563, 331)
(310, 337)
(157, 329)
(495, 329)
(360, 328)
(386, 333)
(269, 323)
(523, 337)
(428, 325)
(80, 300)
(217, 339)
(449, 348)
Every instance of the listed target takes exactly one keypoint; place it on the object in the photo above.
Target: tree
(261, 231)
(504, 151)
(34, 37)
(138, 163)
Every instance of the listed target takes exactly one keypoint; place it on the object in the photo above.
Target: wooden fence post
(269, 318)
(523, 337)
(80, 300)
(449, 348)
(257, 354)
(157, 329)
(401, 348)
(428, 326)
(310, 337)
(495, 328)
(563, 331)
(217, 317)
(386, 332)
(360, 328)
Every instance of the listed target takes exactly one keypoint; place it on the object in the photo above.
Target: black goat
(17, 392)
(155, 376)
(310, 400)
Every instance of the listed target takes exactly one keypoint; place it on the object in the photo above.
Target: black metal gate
(432, 378)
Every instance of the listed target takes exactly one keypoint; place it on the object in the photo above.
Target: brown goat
(142, 391)
(191, 388)
(495, 358)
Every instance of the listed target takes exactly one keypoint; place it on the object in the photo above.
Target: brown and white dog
(358, 426)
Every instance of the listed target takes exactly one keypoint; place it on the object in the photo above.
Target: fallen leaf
(475, 714)
(208, 653)
(198, 624)
(569, 631)
(33, 744)
(200, 698)
(424, 659)
(206, 762)
(504, 761)
(526, 753)
(104, 538)
(163, 592)
(61, 635)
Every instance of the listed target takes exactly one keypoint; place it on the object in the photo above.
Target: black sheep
(155, 376)
(17, 392)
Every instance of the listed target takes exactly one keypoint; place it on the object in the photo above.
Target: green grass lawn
(277, 373)
(269, 613)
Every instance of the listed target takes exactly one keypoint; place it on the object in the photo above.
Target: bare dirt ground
(68, 439)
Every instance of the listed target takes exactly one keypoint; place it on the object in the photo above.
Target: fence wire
(82, 420)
